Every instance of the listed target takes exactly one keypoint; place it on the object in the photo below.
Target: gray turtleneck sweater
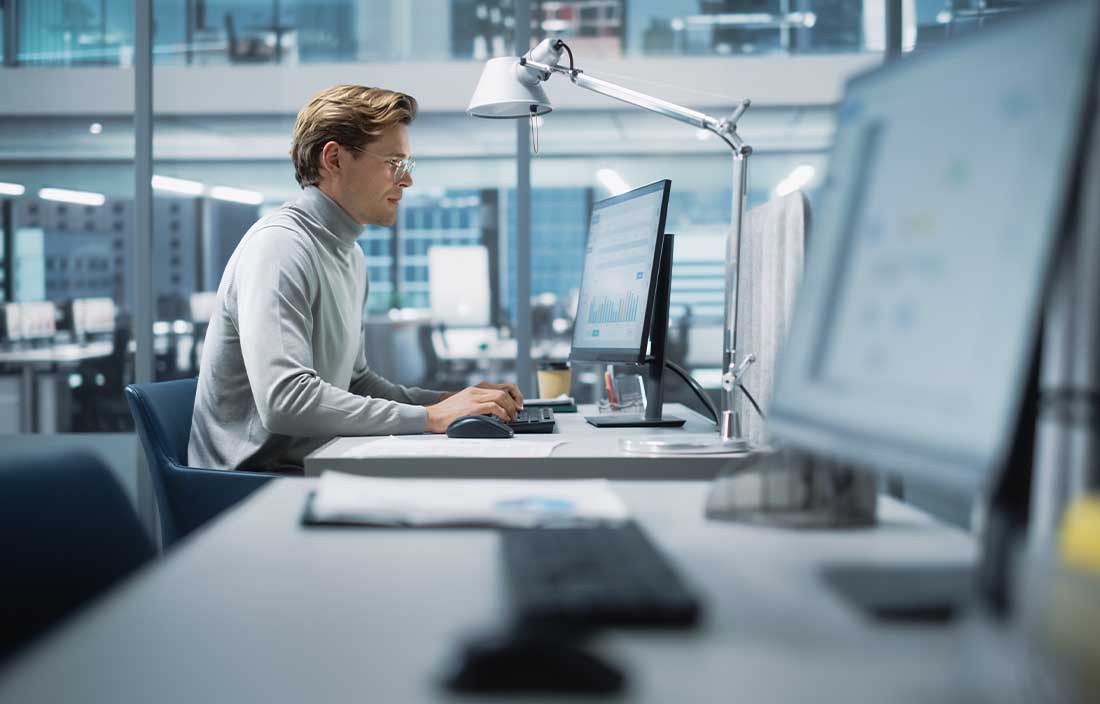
(283, 365)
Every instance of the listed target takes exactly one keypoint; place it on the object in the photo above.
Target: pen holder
(623, 394)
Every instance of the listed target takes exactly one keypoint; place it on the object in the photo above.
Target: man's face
(365, 180)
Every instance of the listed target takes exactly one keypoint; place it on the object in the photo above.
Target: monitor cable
(702, 395)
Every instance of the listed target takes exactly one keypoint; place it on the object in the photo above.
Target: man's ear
(330, 158)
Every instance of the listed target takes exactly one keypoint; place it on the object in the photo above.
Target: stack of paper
(345, 498)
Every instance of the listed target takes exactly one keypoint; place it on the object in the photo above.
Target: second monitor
(622, 313)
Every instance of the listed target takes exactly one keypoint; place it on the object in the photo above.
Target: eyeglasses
(401, 167)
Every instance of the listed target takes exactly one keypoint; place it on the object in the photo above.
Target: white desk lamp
(510, 88)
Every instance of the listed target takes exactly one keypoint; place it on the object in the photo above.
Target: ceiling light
(11, 189)
(612, 181)
(178, 185)
(796, 179)
(237, 195)
(78, 197)
(95, 128)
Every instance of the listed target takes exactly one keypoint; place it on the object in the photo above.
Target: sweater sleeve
(276, 284)
(368, 383)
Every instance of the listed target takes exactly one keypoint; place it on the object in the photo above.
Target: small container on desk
(624, 403)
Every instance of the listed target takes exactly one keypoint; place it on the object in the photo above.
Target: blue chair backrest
(162, 417)
(187, 497)
(67, 534)
(169, 405)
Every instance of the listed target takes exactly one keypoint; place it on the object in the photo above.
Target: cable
(751, 400)
(694, 385)
(569, 51)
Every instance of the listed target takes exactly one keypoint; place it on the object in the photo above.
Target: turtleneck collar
(329, 215)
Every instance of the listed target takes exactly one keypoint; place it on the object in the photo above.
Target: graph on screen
(623, 309)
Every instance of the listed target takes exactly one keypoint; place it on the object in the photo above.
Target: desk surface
(57, 354)
(256, 608)
(586, 452)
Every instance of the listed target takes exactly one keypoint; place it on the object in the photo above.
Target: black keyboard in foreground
(533, 420)
(598, 576)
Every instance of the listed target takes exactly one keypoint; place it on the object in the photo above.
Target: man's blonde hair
(352, 116)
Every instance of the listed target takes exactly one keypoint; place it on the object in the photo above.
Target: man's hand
(483, 399)
(512, 390)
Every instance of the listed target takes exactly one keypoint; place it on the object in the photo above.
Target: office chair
(439, 373)
(773, 246)
(187, 497)
(67, 534)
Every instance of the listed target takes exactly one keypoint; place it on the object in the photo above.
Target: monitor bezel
(621, 354)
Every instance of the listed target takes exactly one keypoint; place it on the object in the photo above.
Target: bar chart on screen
(623, 309)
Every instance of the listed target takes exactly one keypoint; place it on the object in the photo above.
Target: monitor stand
(654, 365)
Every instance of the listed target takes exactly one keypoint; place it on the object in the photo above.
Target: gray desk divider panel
(772, 256)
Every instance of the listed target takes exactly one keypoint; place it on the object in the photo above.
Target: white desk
(68, 353)
(256, 608)
(32, 358)
(587, 452)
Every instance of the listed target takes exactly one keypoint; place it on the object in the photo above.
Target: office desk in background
(256, 608)
(47, 357)
(586, 452)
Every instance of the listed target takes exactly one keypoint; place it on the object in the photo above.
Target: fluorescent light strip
(237, 195)
(612, 181)
(11, 189)
(795, 180)
(78, 197)
(178, 185)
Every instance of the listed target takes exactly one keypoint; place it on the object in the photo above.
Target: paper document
(443, 446)
(347, 498)
(562, 400)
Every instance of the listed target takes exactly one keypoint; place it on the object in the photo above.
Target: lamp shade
(501, 94)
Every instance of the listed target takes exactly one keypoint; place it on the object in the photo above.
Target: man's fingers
(490, 408)
(513, 391)
(505, 401)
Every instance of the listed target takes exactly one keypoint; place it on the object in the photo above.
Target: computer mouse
(478, 427)
(532, 661)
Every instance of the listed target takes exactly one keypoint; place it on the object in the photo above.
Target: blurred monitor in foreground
(917, 320)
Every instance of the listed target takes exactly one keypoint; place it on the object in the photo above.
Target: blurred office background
(229, 78)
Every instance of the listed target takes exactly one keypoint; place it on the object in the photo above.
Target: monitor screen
(620, 275)
(458, 285)
(202, 304)
(93, 315)
(917, 317)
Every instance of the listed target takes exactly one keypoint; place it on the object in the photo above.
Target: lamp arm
(726, 129)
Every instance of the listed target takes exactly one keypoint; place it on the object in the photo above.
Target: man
(283, 367)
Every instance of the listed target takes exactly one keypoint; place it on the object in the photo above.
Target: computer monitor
(458, 285)
(92, 316)
(622, 310)
(917, 321)
(619, 280)
(202, 305)
(30, 321)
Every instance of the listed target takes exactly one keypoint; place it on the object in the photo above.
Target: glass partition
(251, 32)
(74, 32)
(65, 339)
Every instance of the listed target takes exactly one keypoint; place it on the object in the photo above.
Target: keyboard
(598, 576)
(533, 420)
